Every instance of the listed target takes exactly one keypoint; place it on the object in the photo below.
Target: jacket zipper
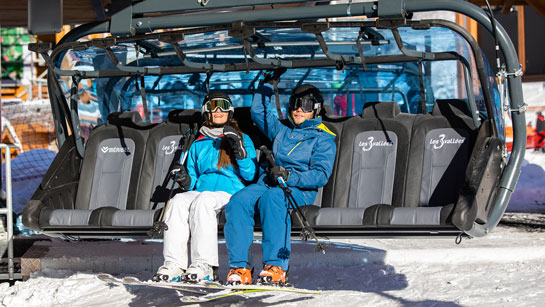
(294, 147)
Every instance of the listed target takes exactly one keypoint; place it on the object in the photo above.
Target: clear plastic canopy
(346, 89)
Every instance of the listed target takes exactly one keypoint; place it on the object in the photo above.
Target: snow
(529, 194)
(505, 268)
(425, 272)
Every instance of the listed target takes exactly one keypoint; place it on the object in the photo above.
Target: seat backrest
(244, 119)
(325, 197)
(112, 163)
(164, 144)
(440, 150)
(373, 150)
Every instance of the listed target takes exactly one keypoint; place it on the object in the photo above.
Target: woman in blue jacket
(219, 162)
(304, 151)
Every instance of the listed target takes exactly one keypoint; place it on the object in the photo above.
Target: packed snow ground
(505, 268)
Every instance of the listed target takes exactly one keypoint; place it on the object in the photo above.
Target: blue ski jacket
(202, 166)
(306, 150)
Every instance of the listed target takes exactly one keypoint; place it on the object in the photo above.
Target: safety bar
(8, 211)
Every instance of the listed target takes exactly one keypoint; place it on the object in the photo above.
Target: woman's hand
(179, 173)
(235, 141)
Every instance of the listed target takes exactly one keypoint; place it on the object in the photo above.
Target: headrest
(450, 107)
(243, 116)
(380, 109)
(127, 118)
(327, 109)
(185, 116)
(241, 112)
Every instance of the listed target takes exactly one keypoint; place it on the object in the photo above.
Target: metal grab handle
(8, 211)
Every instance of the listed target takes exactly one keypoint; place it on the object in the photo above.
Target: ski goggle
(306, 103)
(213, 104)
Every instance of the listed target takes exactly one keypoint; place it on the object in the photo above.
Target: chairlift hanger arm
(169, 6)
(148, 24)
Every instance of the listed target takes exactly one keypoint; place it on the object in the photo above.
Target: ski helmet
(308, 98)
(215, 100)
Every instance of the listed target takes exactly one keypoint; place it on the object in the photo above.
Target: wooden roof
(506, 5)
(13, 13)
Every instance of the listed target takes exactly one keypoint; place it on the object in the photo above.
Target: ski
(216, 296)
(208, 290)
(133, 281)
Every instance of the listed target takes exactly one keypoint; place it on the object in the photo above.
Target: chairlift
(422, 86)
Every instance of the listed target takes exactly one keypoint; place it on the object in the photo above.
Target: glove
(278, 171)
(235, 141)
(183, 179)
(266, 91)
(273, 75)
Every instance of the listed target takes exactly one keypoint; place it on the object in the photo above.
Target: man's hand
(273, 75)
(179, 173)
(264, 90)
(235, 141)
(278, 171)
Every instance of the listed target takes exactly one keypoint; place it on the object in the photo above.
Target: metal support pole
(8, 211)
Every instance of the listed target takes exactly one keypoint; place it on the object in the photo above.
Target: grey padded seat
(371, 151)
(113, 154)
(440, 149)
(165, 142)
(123, 180)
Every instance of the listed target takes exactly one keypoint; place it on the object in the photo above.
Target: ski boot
(272, 275)
(168, 273)
(199, 271)
(240, 276)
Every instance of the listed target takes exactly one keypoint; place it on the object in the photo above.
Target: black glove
(278, 171)
(235, 141)
(264, 90)
(273, 75)
(179, 174)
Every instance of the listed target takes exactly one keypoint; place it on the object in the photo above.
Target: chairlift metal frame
(130, 22)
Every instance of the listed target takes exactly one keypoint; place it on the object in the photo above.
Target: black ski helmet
(307, 92)
(217, 95)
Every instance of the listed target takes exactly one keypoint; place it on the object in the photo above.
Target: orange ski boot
(239, 276)
(272, 275)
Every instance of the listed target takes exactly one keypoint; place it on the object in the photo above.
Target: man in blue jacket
(304, 151)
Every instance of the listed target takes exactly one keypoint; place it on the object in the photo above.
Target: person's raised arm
(262, 113)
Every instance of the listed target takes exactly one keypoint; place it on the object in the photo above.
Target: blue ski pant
(272, 205)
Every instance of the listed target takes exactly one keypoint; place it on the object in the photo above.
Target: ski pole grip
(268, 155)
(182, 157)
(282, 182)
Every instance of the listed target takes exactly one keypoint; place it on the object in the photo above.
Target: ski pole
(306, 229)
(160, 226)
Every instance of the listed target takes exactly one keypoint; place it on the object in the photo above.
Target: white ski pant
(193, 214)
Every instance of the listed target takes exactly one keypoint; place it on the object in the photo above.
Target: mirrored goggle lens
(306, 104)
(212, 104)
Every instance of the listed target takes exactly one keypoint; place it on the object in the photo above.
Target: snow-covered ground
(505, 268)
(529, 195)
